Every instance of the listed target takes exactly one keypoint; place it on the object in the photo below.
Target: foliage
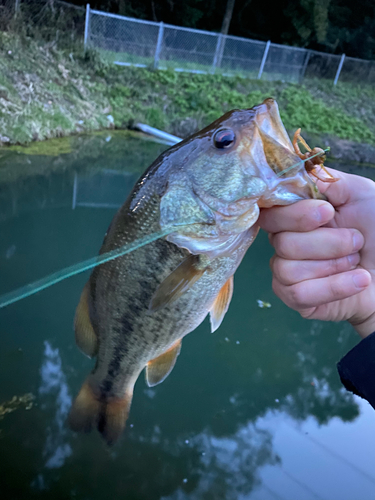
(53, 21)
(334, 26)
(46, 92)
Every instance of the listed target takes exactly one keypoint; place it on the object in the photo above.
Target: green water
(254, 411)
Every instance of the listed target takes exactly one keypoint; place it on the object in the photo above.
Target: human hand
(324, 262)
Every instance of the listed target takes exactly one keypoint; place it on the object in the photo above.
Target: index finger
(305, 215)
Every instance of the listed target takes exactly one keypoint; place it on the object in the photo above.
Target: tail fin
(84, 414)
(113, 417)
(107, 415)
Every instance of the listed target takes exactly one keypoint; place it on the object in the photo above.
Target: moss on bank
(46, 93)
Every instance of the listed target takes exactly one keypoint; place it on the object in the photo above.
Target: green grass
(191, 67)
(46, 93)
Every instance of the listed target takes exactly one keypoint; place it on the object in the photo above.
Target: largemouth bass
(135, 310)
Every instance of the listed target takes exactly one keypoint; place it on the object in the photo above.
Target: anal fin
(177, 283)
(158, 369)
(221, 304)
(86, 338)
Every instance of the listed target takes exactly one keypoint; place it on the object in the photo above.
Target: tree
(227, 17)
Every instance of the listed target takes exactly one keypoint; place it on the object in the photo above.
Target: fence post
(87, 26)
(339, 69)
(217, 51)
(305, 63)
(159, 45)
(264, 58)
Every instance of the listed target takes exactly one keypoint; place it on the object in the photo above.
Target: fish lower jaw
(221, 245)
(236, 224)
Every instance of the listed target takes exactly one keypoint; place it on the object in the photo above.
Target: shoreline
(48, 93)
(341, 150)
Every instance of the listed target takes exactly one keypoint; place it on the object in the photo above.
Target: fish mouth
(239, 223)
(234, 210)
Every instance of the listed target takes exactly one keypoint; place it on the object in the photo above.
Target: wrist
(366, 327)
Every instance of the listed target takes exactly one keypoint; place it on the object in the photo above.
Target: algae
(52, 147)
(26, 401)
(79, 153)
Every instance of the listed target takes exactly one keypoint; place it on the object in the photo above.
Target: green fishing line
(68, 272)
(297, 164)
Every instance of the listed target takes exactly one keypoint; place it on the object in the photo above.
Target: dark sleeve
(357, 369)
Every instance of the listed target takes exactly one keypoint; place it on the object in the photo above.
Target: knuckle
(345, 242)
(333, 266)
(282, 245)
(308, 313)
(334, 289)
(282, 270)
(337, 266)
(275, 266)
(290, 295)
(278, 289)
(307, 222)
(297, 296)
(272, 261)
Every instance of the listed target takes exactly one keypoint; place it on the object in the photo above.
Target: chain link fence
(132, 42)
(54, 21)
(128, 41)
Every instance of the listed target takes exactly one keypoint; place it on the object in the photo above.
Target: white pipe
(158, 133)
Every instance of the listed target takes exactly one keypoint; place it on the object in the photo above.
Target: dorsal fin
(221, 304)
(158, 369)
(177, 283)
(86, 338)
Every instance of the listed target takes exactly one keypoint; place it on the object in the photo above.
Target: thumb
(346, 189)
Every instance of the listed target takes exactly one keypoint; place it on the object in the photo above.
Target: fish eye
(224, 139)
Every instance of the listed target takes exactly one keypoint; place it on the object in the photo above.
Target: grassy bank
(45, 93)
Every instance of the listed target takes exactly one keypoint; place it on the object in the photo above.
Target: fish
(135, 310)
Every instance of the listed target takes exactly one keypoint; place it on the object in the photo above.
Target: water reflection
(105, 189)
(54, 385)
(254, 411)
(229, 466)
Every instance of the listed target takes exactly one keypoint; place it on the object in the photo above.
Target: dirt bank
(47, 93)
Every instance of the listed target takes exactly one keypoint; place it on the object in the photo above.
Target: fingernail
(357, 240)
(324, 213)
(361, 280)
(353, 260)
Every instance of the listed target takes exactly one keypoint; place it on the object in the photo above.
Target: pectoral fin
(86, 338)
(158, 369)
(221, 304)
(177, 283)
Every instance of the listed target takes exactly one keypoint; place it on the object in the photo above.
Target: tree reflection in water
(211, 429)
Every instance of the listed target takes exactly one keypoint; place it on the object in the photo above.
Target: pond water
(254, 411)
